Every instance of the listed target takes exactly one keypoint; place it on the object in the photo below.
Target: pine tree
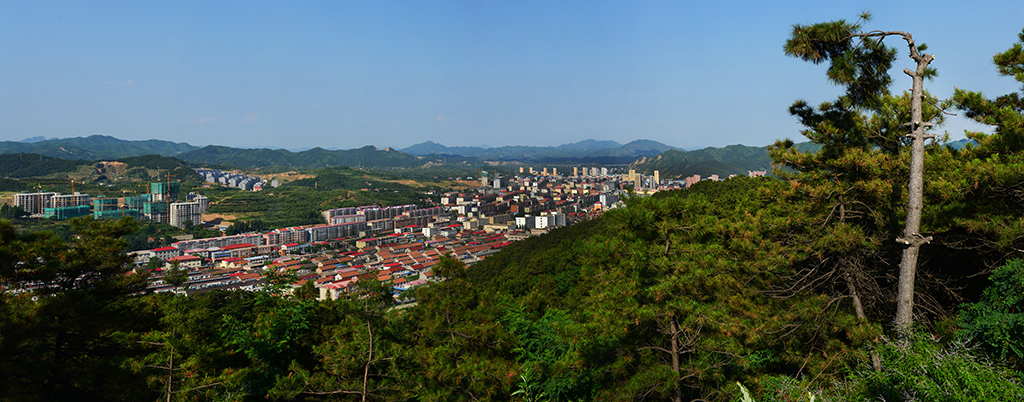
(860, 61)
(68, 301)
(681, 287)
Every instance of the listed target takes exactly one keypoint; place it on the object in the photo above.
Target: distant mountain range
(587, 151)
(725, 161)
(94, 147)
(38, 138)
(367, 156)
(100, 147)
(733, 159)
(644, 156)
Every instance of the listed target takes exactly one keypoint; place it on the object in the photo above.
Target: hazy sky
(341, 74)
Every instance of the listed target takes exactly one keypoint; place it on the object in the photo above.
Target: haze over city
(348, 74)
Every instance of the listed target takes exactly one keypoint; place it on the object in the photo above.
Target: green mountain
(95, 147)
(33, 165)
(367, 156)
(729, 160)
(99, 147)
(587, 151)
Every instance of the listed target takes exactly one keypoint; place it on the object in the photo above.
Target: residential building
(70, 200)
(33, 203)
(181, 212)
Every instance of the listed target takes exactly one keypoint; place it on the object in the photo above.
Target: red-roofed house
(240, 250)
(163, 253)
(185, 262)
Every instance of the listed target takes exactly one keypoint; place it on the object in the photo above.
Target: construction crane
(167, 194)
(39, 190)
(124, 201)
(71, 181)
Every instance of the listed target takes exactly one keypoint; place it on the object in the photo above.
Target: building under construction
(66, 212)
(158, 205)
(165, 191)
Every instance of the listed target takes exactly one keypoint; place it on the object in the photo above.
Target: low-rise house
(184, 262)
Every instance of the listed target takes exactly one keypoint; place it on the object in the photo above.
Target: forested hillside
(731, 160)
(94, 147)
(31, 165)
(367, 156)
(588, 151)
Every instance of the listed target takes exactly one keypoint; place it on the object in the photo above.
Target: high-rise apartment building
(33, 203)
(180, 212)
(70, 200)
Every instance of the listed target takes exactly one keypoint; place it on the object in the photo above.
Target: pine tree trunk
(678, 397)
(912, 239)
(369, 360)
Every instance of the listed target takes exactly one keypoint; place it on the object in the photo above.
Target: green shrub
(997, 320)
(920, 369)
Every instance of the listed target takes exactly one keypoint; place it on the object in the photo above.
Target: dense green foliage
(248, 226)
(12, 212)
(153, 162)
(11, 185)
(921, 369)
(61, 346)
(527, 267)
(348, 179)
(997, 319)
(32, 165)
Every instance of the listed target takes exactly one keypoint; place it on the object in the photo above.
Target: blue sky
(344, 74)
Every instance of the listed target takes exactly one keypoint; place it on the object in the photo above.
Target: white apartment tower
(33, 203)
(204, 202)
(185, 211)
(70, 200)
